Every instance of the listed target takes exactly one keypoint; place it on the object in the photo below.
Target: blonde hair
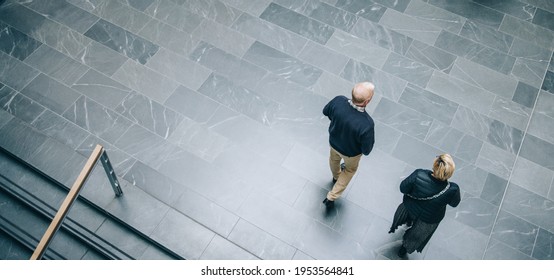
(443, 167)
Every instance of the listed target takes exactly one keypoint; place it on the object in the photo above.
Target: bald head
(362, 93)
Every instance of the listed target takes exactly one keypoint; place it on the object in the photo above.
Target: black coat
(422, 184)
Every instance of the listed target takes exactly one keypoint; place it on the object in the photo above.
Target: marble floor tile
(210, 111)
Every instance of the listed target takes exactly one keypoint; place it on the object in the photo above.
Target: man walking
(351, 134)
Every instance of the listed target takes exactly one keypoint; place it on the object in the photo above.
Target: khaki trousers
(342, 177)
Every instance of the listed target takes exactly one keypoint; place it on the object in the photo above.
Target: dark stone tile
(282, 64)
(543, 4)
(338, 18)
(267, 33)
(538, 151)
(476, 213)
(514, 8)
(471, 11)
(525, 95)
(120, 14)
(402, 118)
(192, 104)
(504, 136)
(356, 48)
(394, 4)
(455, 240)
(145, 80)
(5, 117)
(50, 93)
(543, 245)
(249, 133)
(431, 56)
(121, 161)
(11, 249)
(19, 106)
(260, 243)
(15, 43)
(128, 208)
(336, 246)
(407, 69)
(297, 23)
(155, 253)
(286, 223)
(469, 148)
(532, 176)
(222, 249)
(548, 83)
(495, 160)
(469, 177)
(70, 163)
(386, 84)
(240, 71)
(494, 189)
(475, 52)
(239, 98)
(544, 19)
(531, 61)
(436, 16)
(180, 69)
(528, 31)
(487, 36)
(97, 119)
(515, 232)
(498, 250)
(444, 137)
(545, 104)
(169, 37)
(216, 10)
(56, 65)
(55, 126)
(529, 206)
(205, 212)
(370, 10)
(410, 26)
(65, 13)
(101, 89)
(263, 174)
(381, 36)
(323, 58)
(415, 152)
(186, 168)
(14, 73)
(173, 14)
(123, 238)
(150, 114)
(122, 41)
(541, 126)
(101, 58)
(21, 18)
(140, 5)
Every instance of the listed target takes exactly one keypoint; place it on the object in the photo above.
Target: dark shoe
(329, 203)
(402, 252)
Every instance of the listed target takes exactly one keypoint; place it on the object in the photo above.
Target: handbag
(430, 197)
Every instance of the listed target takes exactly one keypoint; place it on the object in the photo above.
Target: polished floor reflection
(211, 114)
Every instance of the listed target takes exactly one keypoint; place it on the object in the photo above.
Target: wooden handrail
(67, 203)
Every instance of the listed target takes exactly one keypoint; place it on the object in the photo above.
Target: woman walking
(426, 194)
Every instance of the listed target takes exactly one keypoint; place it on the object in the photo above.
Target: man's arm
(368, 140)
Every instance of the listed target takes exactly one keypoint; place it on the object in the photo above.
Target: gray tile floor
(211, 112)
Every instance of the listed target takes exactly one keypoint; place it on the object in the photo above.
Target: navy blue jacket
(351, 132)
(422, 184)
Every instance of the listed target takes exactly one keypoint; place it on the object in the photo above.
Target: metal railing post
(111, 174)
(97, 153)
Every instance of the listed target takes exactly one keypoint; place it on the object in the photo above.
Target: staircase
(29, 199)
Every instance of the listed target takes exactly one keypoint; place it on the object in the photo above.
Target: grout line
(512, 172)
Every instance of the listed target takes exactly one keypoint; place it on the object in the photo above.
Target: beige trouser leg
(344, 177)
